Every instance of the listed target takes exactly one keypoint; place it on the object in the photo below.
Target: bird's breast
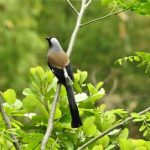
(58, 59)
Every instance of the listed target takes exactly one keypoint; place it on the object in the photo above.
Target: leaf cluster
(29, 116)
(139, 6)
(142, 58)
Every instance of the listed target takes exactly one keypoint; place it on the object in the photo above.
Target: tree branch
(88, 3)
(70, 48)
(106, 16)
(51, 118)
(103, 17)
(119, 125)
(8, 125)
(71, 5)
(76, 29)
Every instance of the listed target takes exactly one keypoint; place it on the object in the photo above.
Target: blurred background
(25, 24)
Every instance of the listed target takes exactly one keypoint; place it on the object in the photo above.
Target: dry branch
(71, 5)
(8, 125)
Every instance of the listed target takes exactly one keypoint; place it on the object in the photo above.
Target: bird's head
(49, 41)
(53, 43)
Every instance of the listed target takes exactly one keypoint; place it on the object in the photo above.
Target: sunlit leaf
(89, 127)
(9, 96)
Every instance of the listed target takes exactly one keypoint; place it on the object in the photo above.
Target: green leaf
(124, 133)
(96, 96)
(135, 115)
(27, 91)
(137, 143)
(89, 127)
(131, 59)
(76, 84)
(101, 108)
(57, 113)
(108, 120)
(33, 140)
(147, 144)
(91, 88)
(99, 85)
(50, 76)
(146, 132)
(32, 104)
(138, 119)
(125, 144)
(69, 145)
(18, 104)
(52, 143)
(34, 145)
(120, 112)
(9, 96)
(142, 127)
(119, 61)
(39, 71)
(97, 147)
(110, 147)
(136, 58)
(104, 141)
(83, 76)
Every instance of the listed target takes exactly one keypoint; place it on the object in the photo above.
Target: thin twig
(88, 3)
(106, 16)
(51, 118)
(103, 17)
(8, 125)
(51, 148)
(71, 5)
(76, 29)
(120, 125)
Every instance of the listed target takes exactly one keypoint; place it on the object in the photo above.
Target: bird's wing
(58, 59)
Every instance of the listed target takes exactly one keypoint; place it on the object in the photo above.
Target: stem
(88, 3)
(8, 125)
(108, 15)
(119, 125)
(71, 5)
(103, 17)
(76, 29)
(51, 118)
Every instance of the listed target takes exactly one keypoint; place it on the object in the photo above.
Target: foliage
(142, 58)
(21, 44)
(29, 116)
(139, 6)
(145, 119)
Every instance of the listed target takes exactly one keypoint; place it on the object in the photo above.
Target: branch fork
(84, 5)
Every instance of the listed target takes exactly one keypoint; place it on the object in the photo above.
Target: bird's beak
(47, 38)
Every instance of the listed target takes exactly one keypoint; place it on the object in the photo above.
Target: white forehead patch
(55, 44)
(54, 41)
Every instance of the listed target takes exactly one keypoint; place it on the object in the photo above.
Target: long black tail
(76, 121)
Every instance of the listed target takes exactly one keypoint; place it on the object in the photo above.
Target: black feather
(59, 73)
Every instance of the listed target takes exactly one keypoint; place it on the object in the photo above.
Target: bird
(57, 62)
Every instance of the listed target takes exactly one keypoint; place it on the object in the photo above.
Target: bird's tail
(76, 121)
